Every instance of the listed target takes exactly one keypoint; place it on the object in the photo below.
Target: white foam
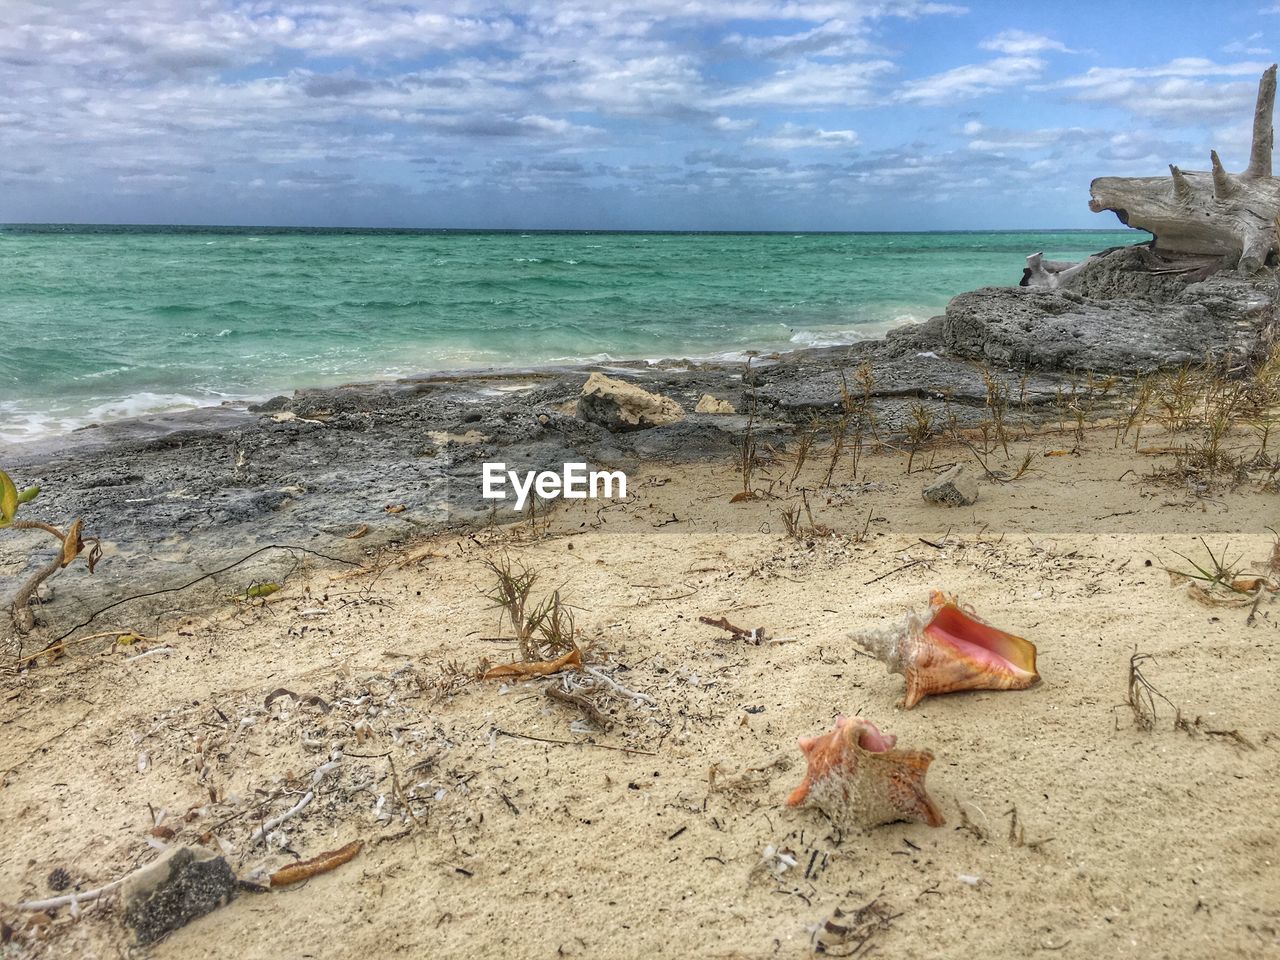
(24, 426)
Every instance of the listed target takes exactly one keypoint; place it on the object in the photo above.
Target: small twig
(150, 653)
(905, 566)
(605, 678)
(724, 624)
(156, 593)
(65, 901)
(274, 822)
(573, 743)
(582, 702)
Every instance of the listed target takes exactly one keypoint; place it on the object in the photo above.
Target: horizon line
(29, 224)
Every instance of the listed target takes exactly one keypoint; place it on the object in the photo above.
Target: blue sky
(655, 114)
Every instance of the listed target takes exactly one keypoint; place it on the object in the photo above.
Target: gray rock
(274, 405)
(955, 488)
(183, 884)
(619, 406)
(1115, 316)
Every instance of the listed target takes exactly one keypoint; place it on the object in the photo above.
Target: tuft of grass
(543, 630)
(919, 431)
(799, 523)
(1142, 696)
(1217, 571)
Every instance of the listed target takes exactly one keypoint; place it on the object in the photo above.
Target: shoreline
(401, 459)
(228, 413)
(188, 348)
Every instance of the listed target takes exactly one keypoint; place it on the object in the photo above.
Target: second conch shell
(951, 649)
(857, 778)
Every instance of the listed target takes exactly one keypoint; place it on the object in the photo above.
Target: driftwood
(1207, 213)
(1049, 274)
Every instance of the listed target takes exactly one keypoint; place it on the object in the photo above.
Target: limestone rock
(619, 406)
(955, 488)
(1060, 330)
(710, 404)
(183, 884)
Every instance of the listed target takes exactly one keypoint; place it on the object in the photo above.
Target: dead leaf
(71, 543)
(539, 668)
(306, 869)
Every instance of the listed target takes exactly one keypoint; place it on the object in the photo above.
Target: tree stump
(1214, 213)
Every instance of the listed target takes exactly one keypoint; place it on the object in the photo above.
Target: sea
(99, 323)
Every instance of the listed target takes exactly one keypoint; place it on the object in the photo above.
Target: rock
(273, 405)
(619, 406)
(183, 884)
(710, 404)
(1060, 330)
(955, 488)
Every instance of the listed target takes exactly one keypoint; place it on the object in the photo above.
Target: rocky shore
(391, 462)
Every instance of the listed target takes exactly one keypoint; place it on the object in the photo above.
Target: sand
(668, 835)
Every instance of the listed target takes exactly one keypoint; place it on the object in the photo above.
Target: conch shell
(857, 779)
(951, 650)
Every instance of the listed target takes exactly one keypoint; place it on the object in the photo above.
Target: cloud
(722, 124)
(810, 84)
(1020, 43)
(726, 161)
(1249, 47)
(792, 137)
(835, 38)
(1186, 90)
(994, 139)
(972, 80)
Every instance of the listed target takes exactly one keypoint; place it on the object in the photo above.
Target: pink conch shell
(857, 779)
(951, 650)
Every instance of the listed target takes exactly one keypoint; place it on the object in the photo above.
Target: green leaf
(29, 494)
(8, 498)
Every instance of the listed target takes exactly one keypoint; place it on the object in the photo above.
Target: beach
(1090, 813)
(494, 819)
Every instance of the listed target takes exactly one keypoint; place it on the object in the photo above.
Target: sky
(587, 114)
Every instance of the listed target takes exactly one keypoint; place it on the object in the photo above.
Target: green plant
(72, 541)
(919, 431)
(542, 630)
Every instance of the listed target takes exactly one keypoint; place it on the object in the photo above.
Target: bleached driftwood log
(1049, 274)
(1207, 213)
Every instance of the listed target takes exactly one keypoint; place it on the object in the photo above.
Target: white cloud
(723, 124)
(835, 38)
(1187, 90)
(810, 84)
(996, 140)
(1250, 46)
(1020, 43)
(972, 80)
(792, 137)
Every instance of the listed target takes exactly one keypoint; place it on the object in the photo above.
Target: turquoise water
(102, 323)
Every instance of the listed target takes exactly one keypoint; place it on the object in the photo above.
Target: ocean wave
(837, 338)
(19, 425)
